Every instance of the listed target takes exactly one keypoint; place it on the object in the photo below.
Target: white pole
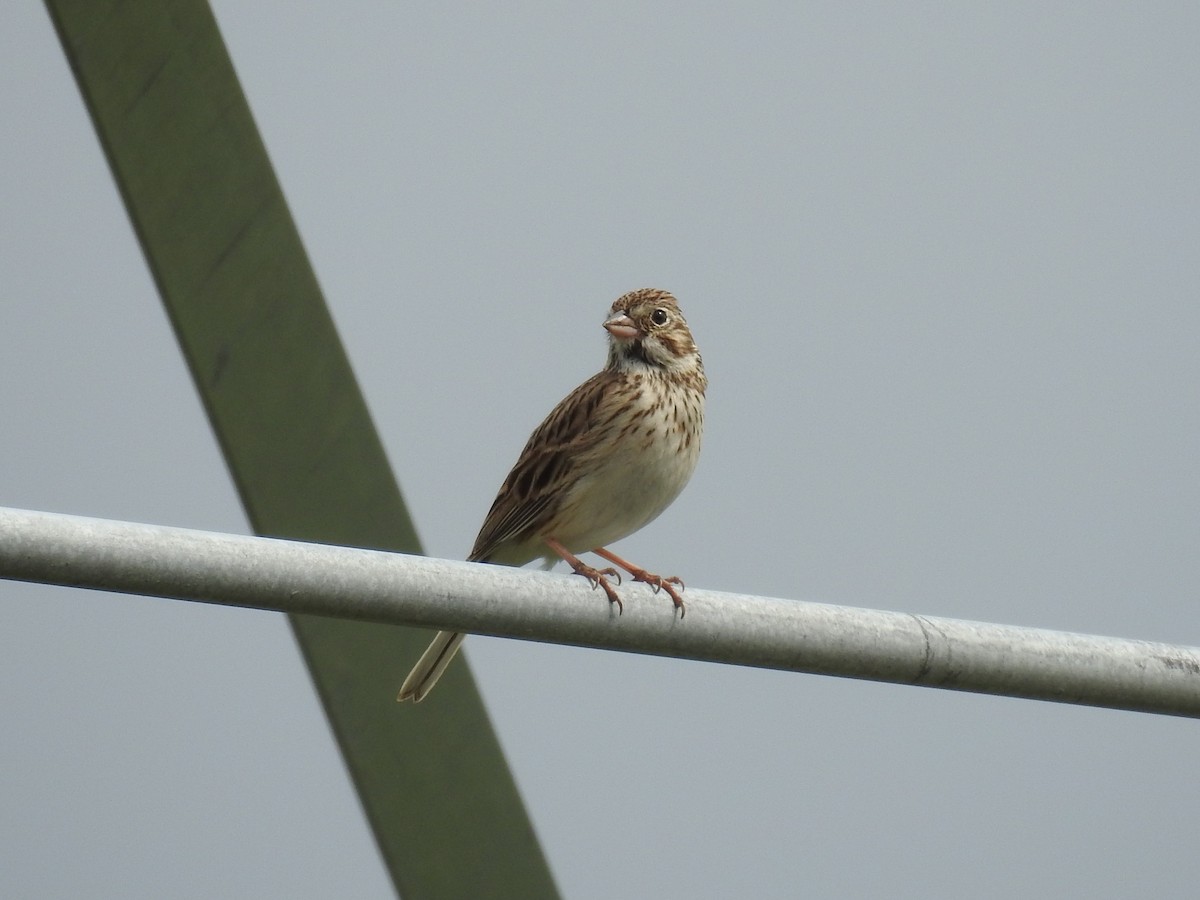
(324, 580)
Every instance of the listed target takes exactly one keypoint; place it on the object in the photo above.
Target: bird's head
(646, 328)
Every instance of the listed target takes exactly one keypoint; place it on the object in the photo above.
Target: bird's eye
(659, 317)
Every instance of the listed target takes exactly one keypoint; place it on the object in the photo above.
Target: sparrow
(610, 457)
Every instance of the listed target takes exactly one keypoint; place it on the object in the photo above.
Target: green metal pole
(294, 429)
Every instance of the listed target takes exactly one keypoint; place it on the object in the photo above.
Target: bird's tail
(430, 666)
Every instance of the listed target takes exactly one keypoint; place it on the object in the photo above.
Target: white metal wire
(318, 579)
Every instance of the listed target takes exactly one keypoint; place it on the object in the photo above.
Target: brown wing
(525, 503)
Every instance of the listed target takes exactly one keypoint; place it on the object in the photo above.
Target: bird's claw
(598, 578)
(658, 583)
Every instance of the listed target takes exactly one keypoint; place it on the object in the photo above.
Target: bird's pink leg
(655, 581)
(597, 577)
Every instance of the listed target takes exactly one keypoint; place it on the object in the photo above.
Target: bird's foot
(599, 579)
(658, 582)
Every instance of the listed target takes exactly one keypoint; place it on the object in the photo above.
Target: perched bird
(607, 460)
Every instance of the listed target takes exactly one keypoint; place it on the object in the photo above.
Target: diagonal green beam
(294, 429)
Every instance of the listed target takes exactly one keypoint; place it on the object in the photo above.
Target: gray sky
(942, 262)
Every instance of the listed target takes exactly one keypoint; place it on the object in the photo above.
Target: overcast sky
(943, 263)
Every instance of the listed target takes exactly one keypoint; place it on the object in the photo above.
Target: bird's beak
(621, 327)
